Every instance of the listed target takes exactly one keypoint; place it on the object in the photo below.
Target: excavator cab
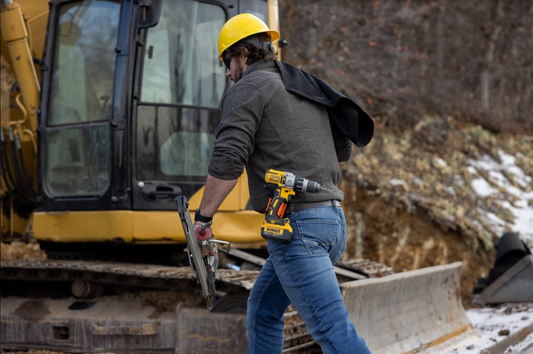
(129, 118)
(129, 109)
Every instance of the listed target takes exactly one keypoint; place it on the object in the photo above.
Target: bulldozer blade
(515, 285)
(410, 312)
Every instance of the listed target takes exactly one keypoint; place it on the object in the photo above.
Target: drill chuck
(300, 184)
(304, 185)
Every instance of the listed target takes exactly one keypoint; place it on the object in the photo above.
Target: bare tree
(491, 37)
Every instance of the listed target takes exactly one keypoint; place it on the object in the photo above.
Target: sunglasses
(227, 61)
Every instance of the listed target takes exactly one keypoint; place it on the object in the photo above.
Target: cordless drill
(285, 185)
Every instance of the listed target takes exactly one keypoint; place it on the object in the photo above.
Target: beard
(239, 72)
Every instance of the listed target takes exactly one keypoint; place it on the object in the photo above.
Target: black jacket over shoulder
(344, 113)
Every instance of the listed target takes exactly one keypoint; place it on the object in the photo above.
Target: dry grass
(428, 167)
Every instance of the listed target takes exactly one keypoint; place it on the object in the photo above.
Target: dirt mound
(411, 199)
(383, 230)
(21, 250)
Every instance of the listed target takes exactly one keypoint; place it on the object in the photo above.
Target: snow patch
(441, 162)
(472, 170)
(483, 188)
(494, 323)
(397, 182)
(512, 181)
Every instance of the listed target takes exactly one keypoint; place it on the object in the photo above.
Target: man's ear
(245, 51)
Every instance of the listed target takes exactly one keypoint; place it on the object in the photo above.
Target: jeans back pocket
(318, 236)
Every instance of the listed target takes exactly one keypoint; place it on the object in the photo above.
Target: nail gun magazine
(204, 267)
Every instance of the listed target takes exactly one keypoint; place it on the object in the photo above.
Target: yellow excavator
(112, 117)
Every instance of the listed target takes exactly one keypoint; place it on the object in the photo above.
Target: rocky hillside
(411, 204)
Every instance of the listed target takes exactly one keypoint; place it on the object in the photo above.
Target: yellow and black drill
(285, 185)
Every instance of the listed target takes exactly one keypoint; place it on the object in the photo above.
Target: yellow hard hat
(240, 27)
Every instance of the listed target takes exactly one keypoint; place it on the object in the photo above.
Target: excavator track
(158, 277)
(120, 325)
(297, 340)
(128, 274)
(371, 269)
(235, 284)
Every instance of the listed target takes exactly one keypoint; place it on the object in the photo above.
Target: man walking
(264, 126)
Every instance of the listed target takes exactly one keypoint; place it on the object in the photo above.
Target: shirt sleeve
(343, 145)
(242, 110)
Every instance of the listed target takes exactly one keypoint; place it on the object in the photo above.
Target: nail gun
(285, 185)
(204, 267)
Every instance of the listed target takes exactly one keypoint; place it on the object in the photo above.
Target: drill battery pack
(275, 226)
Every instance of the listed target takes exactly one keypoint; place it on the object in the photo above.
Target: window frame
(111, 198)
(187, 186)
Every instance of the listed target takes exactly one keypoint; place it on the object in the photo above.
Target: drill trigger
(281, 210)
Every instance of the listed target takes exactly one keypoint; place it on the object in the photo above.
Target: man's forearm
(216, 190)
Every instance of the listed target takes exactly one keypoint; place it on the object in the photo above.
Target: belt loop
(291, 208)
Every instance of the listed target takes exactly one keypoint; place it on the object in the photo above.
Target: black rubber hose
(25, 178)
(18, 173)
(6, 171)
(4, 175)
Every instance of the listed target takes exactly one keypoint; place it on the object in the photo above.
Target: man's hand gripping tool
(204, 267)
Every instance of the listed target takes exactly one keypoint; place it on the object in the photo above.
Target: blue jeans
(301, 272)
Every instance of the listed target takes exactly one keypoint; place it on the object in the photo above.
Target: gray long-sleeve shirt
(264, 126)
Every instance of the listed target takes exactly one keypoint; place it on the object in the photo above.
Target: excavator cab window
(78, 145)
(182, 84)
(174, 143)
(181, 63)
